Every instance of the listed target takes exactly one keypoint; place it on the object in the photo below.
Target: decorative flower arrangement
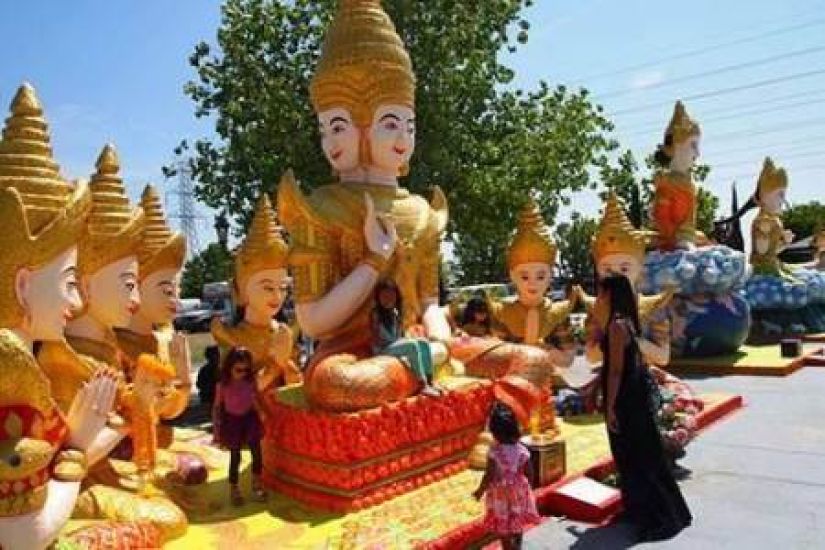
(677, 407)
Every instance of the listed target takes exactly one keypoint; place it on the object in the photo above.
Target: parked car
(193, 316)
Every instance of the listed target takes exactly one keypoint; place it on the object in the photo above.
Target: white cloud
(645, 79)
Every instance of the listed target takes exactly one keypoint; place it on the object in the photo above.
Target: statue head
(43, 218)
(680, 148)
(618, 248)
(109, 250)
(160, 260)
(531, 256)
(363, 91)
(771, 187)
(261, 280)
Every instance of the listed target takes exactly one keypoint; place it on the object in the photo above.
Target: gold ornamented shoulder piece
(441, 209)
(648, 305)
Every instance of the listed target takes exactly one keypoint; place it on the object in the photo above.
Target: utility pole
(186, 213)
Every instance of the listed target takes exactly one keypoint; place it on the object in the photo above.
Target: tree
(574, 240)
(212, 265)
(804, 219)
(485, 143)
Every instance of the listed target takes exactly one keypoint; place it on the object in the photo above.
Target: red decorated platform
(348, 461)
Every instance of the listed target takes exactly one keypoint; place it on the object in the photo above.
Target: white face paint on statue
(113, 294)
(773, 201)
(685, 154)
(264, 295)
(532, 281)
(340, 140)
(49, 295)
(159, 295)
(620, 264)
(392, 140)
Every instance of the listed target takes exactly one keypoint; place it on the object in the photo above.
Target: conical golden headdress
(160, 247)
(263, 247)
(616, 235)
(363, 63)
(532, 242)
(771, 178)
(681, 126)
(41, 215)
(115, 230)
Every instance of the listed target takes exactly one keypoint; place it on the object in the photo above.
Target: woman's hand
(379, 231)
(90, 409)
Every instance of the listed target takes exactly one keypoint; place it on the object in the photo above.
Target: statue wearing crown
(786, 299)
(261, 284)
(348, 235)
(618, 248)
(160, 260)
(531, 333)
(709, 316)
(674, 203)
(47, 446)
(108, 268)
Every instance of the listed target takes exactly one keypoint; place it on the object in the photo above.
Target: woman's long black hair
(386, 316)
(623, 302)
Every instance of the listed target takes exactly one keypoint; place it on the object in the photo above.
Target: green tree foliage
(213, 264)
(804, 219)
(484, 142)
(574, 239)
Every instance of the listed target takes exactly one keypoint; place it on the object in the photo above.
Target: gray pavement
(758, 478)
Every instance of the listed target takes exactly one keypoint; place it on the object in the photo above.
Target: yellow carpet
(749, 360)
(422, 515)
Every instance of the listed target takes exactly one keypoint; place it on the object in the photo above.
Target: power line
(702, 50)
(779, 158)
(771, 129)
(713, 72)
(795, 170)
(723, 91)
(736, 114)
(751, 146)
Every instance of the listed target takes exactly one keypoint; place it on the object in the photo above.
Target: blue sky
(114, 71)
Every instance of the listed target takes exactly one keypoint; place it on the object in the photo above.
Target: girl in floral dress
(509, 502)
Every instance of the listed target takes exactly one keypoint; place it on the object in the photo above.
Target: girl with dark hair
(651, 498)
(235, 419)
(509, 501)
(476, 318)
(388, 336)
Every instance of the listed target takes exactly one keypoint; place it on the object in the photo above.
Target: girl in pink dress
(509, 502)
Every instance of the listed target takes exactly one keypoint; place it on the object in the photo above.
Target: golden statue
(674, 204)
(44, 452)
(160, 258)
(768, 234)
(108, 267)
(261, 284)
(349, 234)
(531, 317)
(619, 249)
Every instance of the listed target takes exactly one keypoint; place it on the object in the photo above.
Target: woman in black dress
(651, 498)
